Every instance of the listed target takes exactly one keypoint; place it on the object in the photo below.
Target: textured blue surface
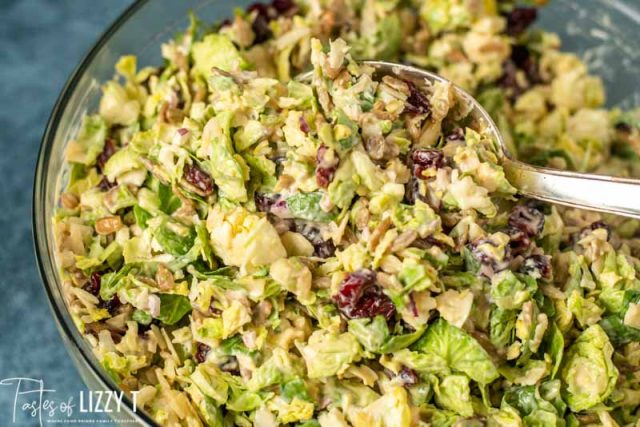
(41, 41)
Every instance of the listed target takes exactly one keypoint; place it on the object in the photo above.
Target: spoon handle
(620, 196)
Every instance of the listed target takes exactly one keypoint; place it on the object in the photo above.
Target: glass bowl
(603, 32)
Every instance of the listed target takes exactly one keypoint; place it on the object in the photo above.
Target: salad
(241, 247)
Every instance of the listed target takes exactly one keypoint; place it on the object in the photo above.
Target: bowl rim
(79, 351)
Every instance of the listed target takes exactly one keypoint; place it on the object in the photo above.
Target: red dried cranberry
(408, 376)
(519, 241)
(113, 304)
(417, 102)
(538, 266)
(509, 78)
(215, 311)
(261, 29)
(527, 219)
(93, 286)
(594, 226)
(413, 306)
(201, 352)
(524, 60)
(623, 127)
(456, 135)
(105, 184)
(412, 191)
(266, 12)
(519, 19)
(360, 296)
(304, 126)
(321, 248)
(142, 328)
(426, 158)
(108, 151)
(197, 177)
(283, 7)
(326, 164)
(264, 201)
(230, 365)
(486, 260)
(599, 224)
(520, 59)
(272, 204)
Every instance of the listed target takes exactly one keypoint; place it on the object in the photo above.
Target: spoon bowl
(601, 193)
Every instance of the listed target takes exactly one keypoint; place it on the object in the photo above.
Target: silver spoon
(620, 196)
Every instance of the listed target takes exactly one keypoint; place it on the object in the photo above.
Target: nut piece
(69, 200)
(164, 278)
(108, 225)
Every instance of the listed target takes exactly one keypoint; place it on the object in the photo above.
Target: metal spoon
(620, 196)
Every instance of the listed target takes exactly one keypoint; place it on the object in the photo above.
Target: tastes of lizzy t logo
(32, 400)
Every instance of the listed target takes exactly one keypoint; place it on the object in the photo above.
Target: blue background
(41, 42)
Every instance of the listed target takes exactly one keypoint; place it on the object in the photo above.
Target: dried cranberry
(520, 59)
(519, 241)
(93, 286)
(412, 191)
(113, 304)
(524, 60)
(108, 151)
(509, 78)
(539, 205)
(408, 376)
(426, 158)
(527, 219)
(322, 248)
(595, 226)
(456, 135)
(360, 296)
(519, 19)
(623, 127)
(266, 12)
(274, 204)
(142, 328)
(261, 29)
(197, 177)
(487, 261)
(599, 224)
(538, 266)
(417, 102)
(264, 202)
(413, 306)
(304, 126)
(215, 311)
(230, 365)
(105, 184)
(326, 164)
(225, 23)
(283, 7)
(201, 352)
